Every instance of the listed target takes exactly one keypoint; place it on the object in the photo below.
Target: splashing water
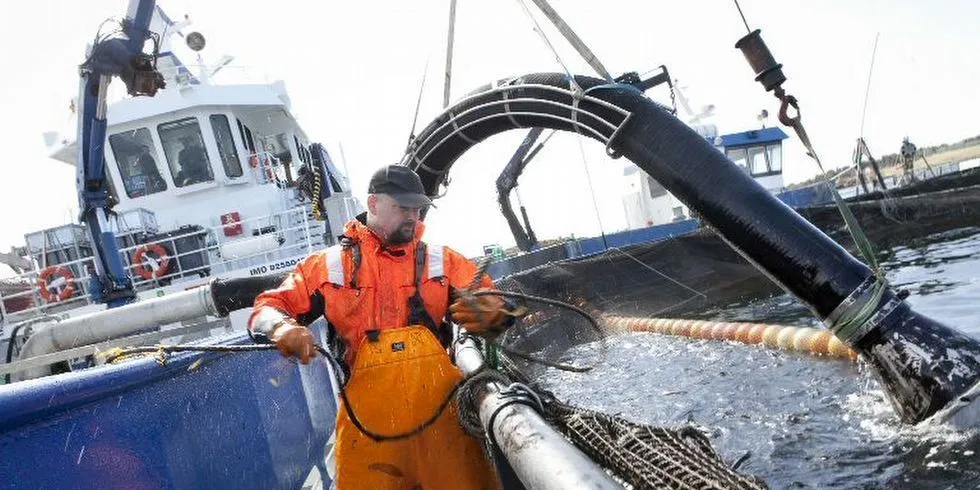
(808, 422)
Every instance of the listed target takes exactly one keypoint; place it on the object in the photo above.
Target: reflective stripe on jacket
(376, 298)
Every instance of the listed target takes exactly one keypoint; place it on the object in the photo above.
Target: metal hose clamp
(860, 312)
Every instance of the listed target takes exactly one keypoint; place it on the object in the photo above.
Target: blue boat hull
(243, 420)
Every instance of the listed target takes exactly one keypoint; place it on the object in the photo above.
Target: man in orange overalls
(385, 294)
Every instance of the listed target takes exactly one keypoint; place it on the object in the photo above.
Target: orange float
(142, 265)
(47, 280)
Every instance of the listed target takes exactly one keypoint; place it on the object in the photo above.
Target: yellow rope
(802, 339)
(317, 186)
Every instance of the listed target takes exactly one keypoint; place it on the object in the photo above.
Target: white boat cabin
(758, 152)
(208, 179)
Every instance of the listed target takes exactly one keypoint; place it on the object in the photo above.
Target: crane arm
(119, 54)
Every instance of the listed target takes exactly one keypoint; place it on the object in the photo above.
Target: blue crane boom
(119, 54)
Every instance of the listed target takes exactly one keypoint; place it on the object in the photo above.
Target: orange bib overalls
(398, 382)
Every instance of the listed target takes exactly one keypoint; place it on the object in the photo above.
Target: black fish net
(640, 456)
(696, 276)
(649, 457)
(649, 280)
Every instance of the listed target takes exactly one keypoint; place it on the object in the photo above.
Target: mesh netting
(674, 276)
(641, 456)
(692, 276)
(670, 278)
(648, 457)
(901, 217)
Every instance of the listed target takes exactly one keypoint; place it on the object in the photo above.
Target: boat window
(757, 161)
(184, 148)
(738, 157)
(246, 137)
(136, 158)
(775, 153)
(113, 195)
(278, 146)
(226, 145)
(304, 154)
(656, 190)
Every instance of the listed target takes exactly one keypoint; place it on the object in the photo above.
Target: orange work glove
(294, 340)
(481, 314)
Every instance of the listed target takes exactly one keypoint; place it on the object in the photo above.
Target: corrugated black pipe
(234, 294)
(922, 364)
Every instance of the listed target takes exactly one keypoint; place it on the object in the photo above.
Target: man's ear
(372, 203)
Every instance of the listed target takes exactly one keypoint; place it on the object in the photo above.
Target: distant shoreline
(891, 164)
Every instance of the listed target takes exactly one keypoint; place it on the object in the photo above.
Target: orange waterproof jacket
(376, 298)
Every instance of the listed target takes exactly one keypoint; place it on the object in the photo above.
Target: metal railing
(267, 168)
(296, 234)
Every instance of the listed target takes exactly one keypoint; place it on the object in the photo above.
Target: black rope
(163, 350)
(561, 304)
(469, 416)
(739, 7)
(379, 437)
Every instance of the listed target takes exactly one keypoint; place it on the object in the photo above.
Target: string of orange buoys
(803, 339)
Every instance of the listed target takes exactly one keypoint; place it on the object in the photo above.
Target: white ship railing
(297, 236)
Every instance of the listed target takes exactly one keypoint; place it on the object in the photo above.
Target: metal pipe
(539, 456)
(217, 298)
(573, 39)
(90, 349)
(468, 358)
(114, 323)
(449, 54)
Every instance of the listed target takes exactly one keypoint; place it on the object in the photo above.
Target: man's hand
(481, 314)
(294, 340)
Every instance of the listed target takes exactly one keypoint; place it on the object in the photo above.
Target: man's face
(395, 223)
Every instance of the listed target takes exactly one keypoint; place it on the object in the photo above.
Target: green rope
(857, 233)
(850, 221)
(848, 325)
(492, 355)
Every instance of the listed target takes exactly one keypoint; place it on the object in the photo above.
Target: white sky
(353, 71)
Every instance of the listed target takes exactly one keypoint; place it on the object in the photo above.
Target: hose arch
(922, 364)
(764, 230)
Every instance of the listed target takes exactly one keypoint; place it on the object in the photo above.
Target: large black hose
(10, 349)
(234, 294)
(922, 364)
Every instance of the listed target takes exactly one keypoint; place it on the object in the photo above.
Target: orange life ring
(46, 282)
(144, 268)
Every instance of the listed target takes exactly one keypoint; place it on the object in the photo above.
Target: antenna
(867, 91)
(223, 62)
(343, 160)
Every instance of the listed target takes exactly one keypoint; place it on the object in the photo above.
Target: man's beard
(404, 234)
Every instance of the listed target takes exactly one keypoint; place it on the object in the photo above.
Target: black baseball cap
(402, 184)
